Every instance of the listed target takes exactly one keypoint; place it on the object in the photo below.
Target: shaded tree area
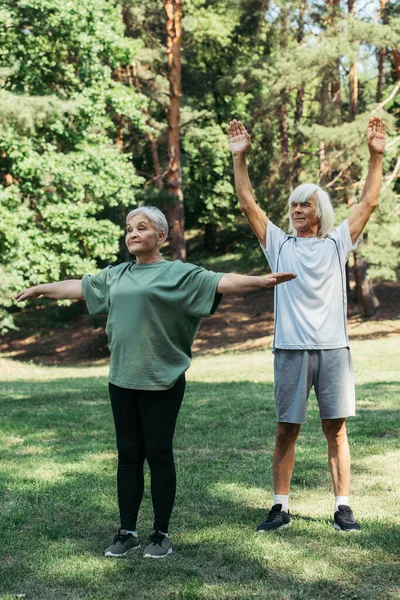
(106, 105)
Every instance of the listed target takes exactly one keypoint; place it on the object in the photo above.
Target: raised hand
(376, 135)
(239, 139)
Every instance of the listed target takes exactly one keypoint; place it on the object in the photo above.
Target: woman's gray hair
(325, 210)
(154, 215)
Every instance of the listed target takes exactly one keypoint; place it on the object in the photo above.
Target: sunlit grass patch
(58, 490)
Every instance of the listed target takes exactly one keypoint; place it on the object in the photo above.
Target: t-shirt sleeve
(342, 236)
(202, 298)
(274, 239)
(96, 289)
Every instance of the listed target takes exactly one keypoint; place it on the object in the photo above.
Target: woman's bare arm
(69, 289)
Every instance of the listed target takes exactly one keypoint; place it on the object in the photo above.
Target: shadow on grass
(58, 497)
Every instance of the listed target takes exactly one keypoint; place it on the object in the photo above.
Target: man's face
(304, 217)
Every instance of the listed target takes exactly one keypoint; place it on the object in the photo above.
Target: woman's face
(141, 236)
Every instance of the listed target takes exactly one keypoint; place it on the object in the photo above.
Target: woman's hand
(29, 294)
(232, 283)
(276, 278)
(70, 289)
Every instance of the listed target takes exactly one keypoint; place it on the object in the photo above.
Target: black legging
(145, 424)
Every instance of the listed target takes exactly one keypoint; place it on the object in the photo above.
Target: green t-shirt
(154, 313)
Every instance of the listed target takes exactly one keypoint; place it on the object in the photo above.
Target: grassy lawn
(58, 502)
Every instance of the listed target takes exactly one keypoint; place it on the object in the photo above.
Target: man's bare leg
(339, 465)
(283, 462)
(338, 454)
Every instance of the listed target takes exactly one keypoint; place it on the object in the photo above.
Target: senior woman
(154, 309)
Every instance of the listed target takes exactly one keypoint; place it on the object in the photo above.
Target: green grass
(59, 511)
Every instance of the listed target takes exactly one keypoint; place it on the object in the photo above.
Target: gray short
(329, 371)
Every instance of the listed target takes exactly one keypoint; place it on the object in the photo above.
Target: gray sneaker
(123, 543)
(160, 546)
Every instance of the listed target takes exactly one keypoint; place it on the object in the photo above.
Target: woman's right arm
(70, 289)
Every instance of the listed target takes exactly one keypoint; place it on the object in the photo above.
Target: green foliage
(63, 102)
(64, 175)
(210, 195)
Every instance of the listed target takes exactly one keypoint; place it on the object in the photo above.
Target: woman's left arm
(232, 283)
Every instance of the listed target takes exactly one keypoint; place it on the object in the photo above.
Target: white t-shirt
(310, 311)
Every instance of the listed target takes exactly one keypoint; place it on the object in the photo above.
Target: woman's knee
(129, 453)
(159, 455)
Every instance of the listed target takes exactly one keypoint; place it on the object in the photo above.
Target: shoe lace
(121, 537)
(156, 538)
(273, 516)
(347, 514)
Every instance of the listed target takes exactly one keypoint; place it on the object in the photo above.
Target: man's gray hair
(325, 210)
(154, 215)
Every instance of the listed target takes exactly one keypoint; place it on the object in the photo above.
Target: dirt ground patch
(243, 322)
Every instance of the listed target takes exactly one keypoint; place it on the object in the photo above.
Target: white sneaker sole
(338, 528)
(123, 555)
(276, 528)
(169, 551)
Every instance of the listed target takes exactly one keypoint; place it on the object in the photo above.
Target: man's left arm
(369, 198)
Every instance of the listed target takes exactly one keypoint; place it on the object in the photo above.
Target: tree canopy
(84, 100)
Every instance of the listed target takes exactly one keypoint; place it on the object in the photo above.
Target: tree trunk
(298, 112)
(365, 291)
(282, 109)
(335, 91)
(156, 161)
(300, 91)
(396, 58)
(175, 213)
(323, 167)
(353, 76)
(283, 130)
(382, 52)
(210, 237)
(381, 60)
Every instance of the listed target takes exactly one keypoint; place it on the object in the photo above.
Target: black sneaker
(160, 546)
(123, 543)
(276, 519)
(343, 519)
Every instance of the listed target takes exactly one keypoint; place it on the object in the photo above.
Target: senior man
(311, 345)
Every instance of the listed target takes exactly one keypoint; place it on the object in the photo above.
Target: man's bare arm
(239, 141)
(69, 289)
(369, 197)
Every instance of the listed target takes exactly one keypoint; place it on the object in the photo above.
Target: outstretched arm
(239, 141)
(232, 283)
(69, 289)
(369, 198)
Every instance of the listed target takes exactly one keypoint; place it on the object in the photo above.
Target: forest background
(86, 98)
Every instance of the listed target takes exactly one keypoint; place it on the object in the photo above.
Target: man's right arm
(240, 143)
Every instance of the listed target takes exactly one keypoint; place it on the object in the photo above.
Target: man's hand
(376, 136)
(239, 139)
